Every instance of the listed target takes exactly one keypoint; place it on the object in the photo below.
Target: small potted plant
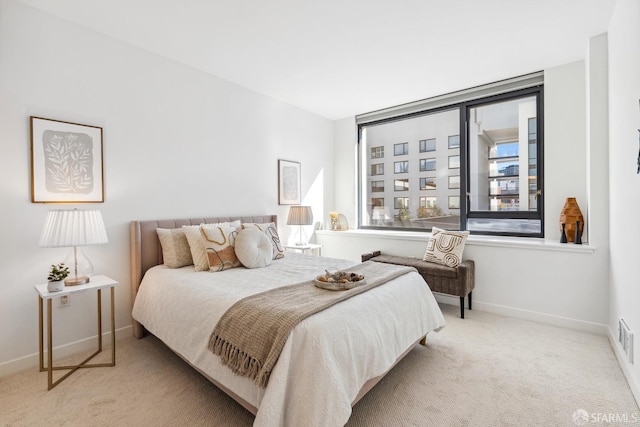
(56, 277)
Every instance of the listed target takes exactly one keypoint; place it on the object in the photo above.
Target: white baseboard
(32, 361)
(622, 361)
(550, 319)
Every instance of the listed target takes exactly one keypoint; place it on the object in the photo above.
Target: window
(377, 169)
(401, 185)
(377, 202)
(401, 149)
(490, 170)
(377, 152)
(377, 186)
(427, 145)
(427, 165)
(504, 161)
(427, 184)
(401, 202)
(454, 202)
(454, 162)
(427, 202)
(401, 167)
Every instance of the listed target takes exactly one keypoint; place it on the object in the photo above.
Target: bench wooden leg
(469, 300)
(462, 307)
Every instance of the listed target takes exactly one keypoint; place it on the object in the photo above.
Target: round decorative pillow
(253, 248)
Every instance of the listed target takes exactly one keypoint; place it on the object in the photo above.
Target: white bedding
(328, 356)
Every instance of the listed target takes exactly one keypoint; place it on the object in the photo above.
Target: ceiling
(339, 58)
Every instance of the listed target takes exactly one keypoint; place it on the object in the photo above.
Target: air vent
(625, 338)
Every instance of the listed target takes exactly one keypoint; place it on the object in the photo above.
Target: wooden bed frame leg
(423, 341)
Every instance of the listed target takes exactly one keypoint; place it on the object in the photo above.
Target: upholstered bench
(458, 281)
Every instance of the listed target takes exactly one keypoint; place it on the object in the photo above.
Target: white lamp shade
(300, 215)
(73, 227)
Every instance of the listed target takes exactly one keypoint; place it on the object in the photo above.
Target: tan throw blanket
(251, 334)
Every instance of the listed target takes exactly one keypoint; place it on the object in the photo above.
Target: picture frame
(289, 183)
(66, 162)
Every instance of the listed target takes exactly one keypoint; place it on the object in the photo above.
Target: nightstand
(311, 248)
(97, 283)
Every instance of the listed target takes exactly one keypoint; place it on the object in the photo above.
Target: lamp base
(74, 281)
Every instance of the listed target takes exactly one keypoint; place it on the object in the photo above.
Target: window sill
(473, 240)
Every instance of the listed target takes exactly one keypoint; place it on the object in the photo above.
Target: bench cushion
(423, 267)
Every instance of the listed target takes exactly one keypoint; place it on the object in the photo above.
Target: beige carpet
(485, 370)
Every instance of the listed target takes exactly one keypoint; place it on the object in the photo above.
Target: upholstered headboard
(146, 251)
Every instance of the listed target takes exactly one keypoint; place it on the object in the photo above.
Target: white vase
(56, 286)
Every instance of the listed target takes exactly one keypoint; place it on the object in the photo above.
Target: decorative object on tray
(57, 274)
(66, 162)
(289, 182)
(339, 280)
(571, 217)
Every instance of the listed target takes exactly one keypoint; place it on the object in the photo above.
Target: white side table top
(306, 246)
(96, 282)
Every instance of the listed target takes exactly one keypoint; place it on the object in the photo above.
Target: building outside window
(427, 183)
(377, 186)
(427, 145)
(401, 149)
(427, 165)
(401, 202)
(377, 152)
(401, 167)
(377, 169)
(377, 202)
(454, 202)
(454, 162)
(487, 179)
(401, 185)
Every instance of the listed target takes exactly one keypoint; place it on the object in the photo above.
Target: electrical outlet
(65, 301)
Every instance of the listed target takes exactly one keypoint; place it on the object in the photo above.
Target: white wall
(624, 184)
(177, 143)
(561, 284)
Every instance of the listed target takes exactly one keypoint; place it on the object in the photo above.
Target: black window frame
(464, 108)
(465, 180)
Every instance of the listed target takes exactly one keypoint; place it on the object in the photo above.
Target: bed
(329, 360)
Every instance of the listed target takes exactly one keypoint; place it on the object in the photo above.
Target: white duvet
(326, 359)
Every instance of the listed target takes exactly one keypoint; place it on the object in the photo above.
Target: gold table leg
(72, 368)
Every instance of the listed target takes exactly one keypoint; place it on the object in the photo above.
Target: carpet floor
(485, 370)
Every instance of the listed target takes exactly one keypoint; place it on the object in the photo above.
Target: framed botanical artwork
(66, 162)
(288, 182)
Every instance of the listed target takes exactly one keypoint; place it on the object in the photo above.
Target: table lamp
(300, 215)
(73, 228)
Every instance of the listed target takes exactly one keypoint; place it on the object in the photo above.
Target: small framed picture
(66, 162)
(288, 182)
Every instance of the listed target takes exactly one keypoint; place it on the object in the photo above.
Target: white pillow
(196, 242)
(253, 248)
(445, 247)
(270, 230)
(175, 247)
(219, 244)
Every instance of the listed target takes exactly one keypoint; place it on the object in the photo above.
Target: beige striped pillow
(446, 247)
